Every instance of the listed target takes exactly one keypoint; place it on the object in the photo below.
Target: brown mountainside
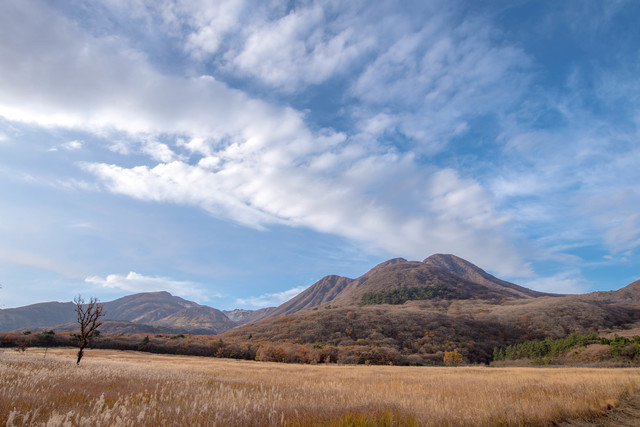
(197, 320)
(464, 279)
(321, 292)
(145, 307)
(628, 294)
(477, 313)
(472, 273)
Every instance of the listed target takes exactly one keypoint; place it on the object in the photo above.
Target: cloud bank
(245, 159)
(409, 130)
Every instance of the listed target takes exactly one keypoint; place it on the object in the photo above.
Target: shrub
(452, 358)
(414, 360)
(270, 353)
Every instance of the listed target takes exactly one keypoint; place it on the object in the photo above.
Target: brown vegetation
(128, 388)
(405, 331)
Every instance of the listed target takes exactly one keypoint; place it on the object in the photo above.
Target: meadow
(112, 387)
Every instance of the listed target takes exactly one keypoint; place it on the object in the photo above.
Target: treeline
(402, 295)
(543, 351)
(211, 346)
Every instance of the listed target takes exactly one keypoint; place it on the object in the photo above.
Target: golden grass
(128, 388)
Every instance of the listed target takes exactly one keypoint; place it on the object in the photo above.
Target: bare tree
(89, 319)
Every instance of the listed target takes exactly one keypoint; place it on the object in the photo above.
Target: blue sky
(235, 152)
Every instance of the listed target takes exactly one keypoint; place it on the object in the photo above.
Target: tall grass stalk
(130, 388)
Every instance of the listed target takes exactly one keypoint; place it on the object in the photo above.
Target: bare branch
(89, 320)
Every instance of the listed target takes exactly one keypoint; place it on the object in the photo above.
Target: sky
(234, 152)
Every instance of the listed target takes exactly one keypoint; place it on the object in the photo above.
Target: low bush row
(547, 349)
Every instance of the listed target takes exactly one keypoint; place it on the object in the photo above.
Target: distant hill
(197, 320)
(147, 312)
(145, 307)
(37, 315)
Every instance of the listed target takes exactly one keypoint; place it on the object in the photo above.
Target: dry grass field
(129, 388)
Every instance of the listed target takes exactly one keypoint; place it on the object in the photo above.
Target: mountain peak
(385, 264)
(466, 270)
(453, 263)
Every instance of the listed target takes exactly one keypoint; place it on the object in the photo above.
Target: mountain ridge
(440, 269)
(145, 312)
(412, 308)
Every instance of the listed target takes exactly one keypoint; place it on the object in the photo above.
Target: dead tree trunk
(89, 320)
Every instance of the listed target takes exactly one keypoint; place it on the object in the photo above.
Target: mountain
(413, 311)
(448, 273)
(240, 316)
(472, 273)
(398, 312)
(148, 312)
(628, 294)
(37, 315)
(145, 307)
(197, 320)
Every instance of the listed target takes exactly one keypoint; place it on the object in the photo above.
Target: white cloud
(256, 163)
(562, 283)
(284, 45)
(159, 151)
(210, 23)
(72, 145)
(430, 212)
(270, 300)
(305, 46)
(440, 75)
(68, 146)
(134, 282)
